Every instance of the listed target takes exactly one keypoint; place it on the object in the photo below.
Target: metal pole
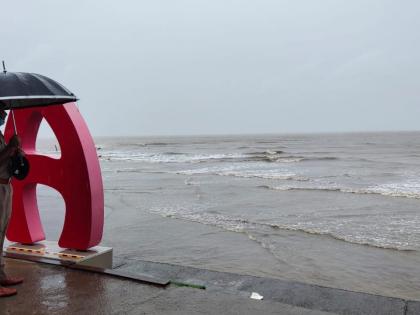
(14, 121)
(4, 67)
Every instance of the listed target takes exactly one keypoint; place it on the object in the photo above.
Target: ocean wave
(157, 143)
(321, 158)
(244, 173)
(354, 239)
(168, 157)
(403, 190)
(174, 153)
(271, 159)
(265, 175)
(269, 156)
(408, 189)
(267, 152)
(287, 188)
(241, 225)
(127, 146)
(280, 156)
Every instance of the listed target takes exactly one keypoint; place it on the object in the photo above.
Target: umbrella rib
(37, 97)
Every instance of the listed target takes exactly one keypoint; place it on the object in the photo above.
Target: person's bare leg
(5, 212)
(4, 220)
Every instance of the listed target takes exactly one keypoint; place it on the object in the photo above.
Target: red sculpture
(76, 175)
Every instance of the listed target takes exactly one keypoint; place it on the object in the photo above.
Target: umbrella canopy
(21, 90)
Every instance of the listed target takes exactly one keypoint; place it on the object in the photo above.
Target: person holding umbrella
(6, 153)
(19, 90)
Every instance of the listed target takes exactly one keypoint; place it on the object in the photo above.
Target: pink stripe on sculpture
(76, 175)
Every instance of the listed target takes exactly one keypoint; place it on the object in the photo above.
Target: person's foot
(11, 281)
(7, 292)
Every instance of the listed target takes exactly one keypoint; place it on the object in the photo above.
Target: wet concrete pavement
(50, 289)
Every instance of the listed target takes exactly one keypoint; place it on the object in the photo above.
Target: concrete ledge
(52, 289)
(223, 286)
(303, 295)
(144, 278)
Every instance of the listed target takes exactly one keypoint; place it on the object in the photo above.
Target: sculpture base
(98, 256)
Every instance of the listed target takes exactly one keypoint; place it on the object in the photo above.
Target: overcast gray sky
(222, 66)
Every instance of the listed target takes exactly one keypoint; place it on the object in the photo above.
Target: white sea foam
(245, 171)
(170, 157)
(408, 189)
(178, 157)
(265, 174)
(389, 232)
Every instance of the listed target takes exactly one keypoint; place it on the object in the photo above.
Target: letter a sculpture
(76, 175)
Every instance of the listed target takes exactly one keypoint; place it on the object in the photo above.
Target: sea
(339, 210)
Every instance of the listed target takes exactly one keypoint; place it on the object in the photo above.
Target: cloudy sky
(222, 66)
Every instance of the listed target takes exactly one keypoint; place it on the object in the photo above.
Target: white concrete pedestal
(98, 256)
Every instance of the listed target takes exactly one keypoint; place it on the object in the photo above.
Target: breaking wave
(167, 157)
(251, 228)
(275, 156)
(244, 173)
(404, 190)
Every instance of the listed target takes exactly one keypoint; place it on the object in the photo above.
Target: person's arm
(7, 153)
(11, 149)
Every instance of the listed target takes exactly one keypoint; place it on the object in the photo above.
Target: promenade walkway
(50, 289)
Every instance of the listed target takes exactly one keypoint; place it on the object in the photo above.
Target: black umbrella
(23, 90)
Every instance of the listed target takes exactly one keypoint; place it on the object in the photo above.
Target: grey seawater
(340, 210)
